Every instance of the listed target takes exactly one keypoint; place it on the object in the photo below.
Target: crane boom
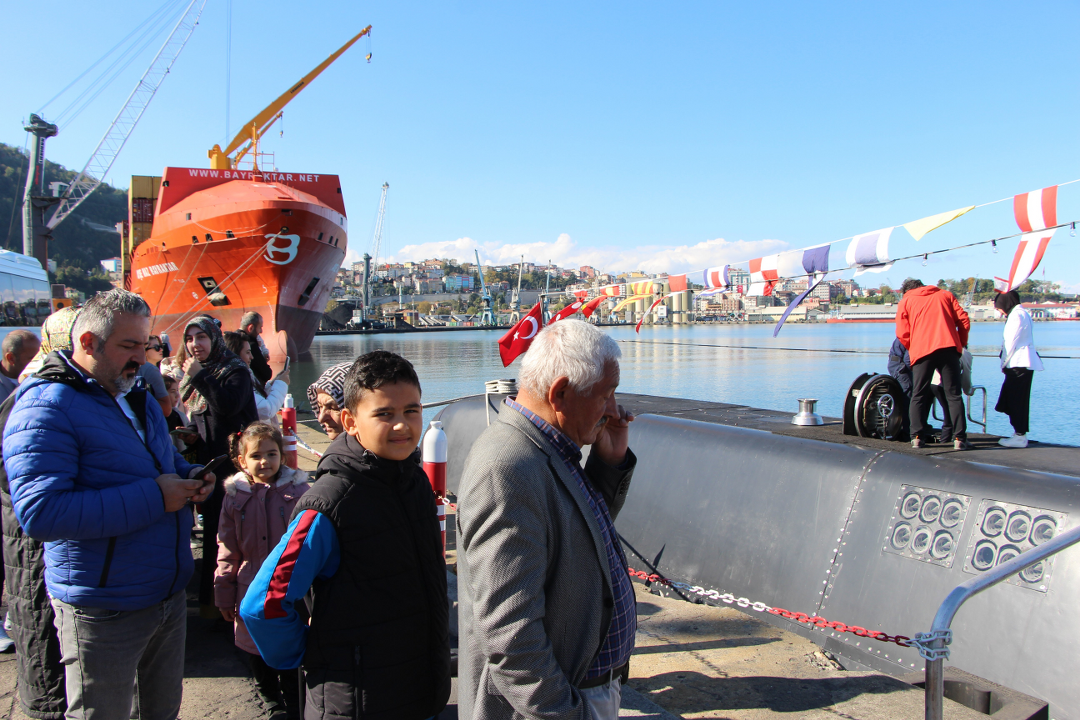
(118, 133)
(255, 127)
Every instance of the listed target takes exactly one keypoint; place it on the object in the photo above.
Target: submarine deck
(1038, 456)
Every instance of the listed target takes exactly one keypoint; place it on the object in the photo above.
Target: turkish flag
(518, 339)
(589, 309)
(567, 311)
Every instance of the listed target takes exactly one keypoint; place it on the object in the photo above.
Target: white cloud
(566, 253)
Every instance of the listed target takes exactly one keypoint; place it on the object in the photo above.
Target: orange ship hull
(224, 243)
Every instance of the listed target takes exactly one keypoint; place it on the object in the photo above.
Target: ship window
(166, 184)
(306, 295)
(209, 237)
(189, 216)
(229, 235)
(284, 229)
(194, 240)
(320, 236)
(286, 212)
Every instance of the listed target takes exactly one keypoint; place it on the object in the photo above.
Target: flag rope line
(815, 350)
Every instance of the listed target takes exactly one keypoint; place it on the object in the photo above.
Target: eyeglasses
(155, 348)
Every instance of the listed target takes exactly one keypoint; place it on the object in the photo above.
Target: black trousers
(947, 362)
(278, 689)
(946, 422)
(1015, 397)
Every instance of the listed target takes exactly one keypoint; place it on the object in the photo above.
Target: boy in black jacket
(365, 543)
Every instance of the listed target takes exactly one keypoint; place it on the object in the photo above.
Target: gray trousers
(123, 664)
(604, 700)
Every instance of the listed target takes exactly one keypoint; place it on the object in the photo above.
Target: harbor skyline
(625, 140)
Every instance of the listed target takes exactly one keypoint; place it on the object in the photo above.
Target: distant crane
(970, 295)
(486, 317)
(515, 298)
(37, 232)
(373, 259)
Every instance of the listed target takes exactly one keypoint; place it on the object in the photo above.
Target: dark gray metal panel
(1016, 636)
(740, 511)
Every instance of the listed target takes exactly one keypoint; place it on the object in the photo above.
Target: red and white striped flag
(1028, 256)
(1036, 210)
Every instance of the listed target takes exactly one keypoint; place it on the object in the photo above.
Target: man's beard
(124, 384)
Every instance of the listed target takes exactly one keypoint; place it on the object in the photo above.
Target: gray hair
(98, 315)
(569, 348)
(250, 318)
(16, 340)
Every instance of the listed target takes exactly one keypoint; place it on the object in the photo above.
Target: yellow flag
(629, 300)
(918, 228)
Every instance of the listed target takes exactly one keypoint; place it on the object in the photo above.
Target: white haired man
(94, 475)
(547, 610)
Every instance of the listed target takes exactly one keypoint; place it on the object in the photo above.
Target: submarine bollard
(288, 431)
(434, 457)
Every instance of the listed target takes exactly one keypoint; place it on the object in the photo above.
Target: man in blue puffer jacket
(94, 474)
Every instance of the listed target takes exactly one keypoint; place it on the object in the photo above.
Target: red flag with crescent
(567, 311)
(518, 338)
(589, 309)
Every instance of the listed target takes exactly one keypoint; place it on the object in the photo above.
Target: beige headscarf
(55, 335)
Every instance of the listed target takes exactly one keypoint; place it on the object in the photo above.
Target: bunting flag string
(627, 301)
(677, 283)
(1036, 210)
(869, 252)
(919, 228)
(815, 263)
(567, 311)
(717, 277)
(590, 308)
(651, 308)
(1029, 253)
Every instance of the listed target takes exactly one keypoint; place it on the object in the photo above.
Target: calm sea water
(752, 368)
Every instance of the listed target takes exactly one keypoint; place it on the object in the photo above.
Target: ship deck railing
(933, 646)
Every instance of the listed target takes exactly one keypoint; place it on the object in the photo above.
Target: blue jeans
(123, 664)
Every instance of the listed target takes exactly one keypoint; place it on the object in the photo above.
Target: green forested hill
(81, 241)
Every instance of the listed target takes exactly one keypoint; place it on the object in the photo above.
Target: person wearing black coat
(251, 328)
(39, 675)
(217, 390)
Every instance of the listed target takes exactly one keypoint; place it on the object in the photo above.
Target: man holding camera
(94, 474)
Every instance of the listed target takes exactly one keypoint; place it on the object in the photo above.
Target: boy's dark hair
(235, 341)
(910, 284)
(374, 370)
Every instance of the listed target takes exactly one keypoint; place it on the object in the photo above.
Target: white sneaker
(6, 643)
(1016, 441)
(7, 622)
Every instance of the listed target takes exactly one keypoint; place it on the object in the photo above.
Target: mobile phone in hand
(219, 463)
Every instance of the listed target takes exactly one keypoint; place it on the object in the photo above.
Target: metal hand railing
(933, 646)
(933, 407)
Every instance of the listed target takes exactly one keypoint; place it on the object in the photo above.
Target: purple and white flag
(869, 252)
(815, 263)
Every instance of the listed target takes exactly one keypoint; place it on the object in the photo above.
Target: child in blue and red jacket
(364, 546)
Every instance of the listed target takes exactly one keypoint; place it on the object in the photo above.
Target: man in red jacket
(934, 328)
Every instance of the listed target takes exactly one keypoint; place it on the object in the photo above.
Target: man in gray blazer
(547, 610)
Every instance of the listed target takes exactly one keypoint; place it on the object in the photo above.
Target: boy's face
(387, 420)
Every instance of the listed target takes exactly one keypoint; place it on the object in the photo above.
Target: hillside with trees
(83, 240)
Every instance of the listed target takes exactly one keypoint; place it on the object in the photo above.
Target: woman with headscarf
(55, 335)
(327, 397)
(1019, 361)
(216, 388)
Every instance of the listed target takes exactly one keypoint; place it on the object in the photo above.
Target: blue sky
(626, 135)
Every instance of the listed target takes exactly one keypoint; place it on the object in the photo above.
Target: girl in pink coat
(256, 511)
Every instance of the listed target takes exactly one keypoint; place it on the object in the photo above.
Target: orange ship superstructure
(225, 241)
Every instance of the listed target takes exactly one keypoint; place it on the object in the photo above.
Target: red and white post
(288, 431)
(434, 457)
